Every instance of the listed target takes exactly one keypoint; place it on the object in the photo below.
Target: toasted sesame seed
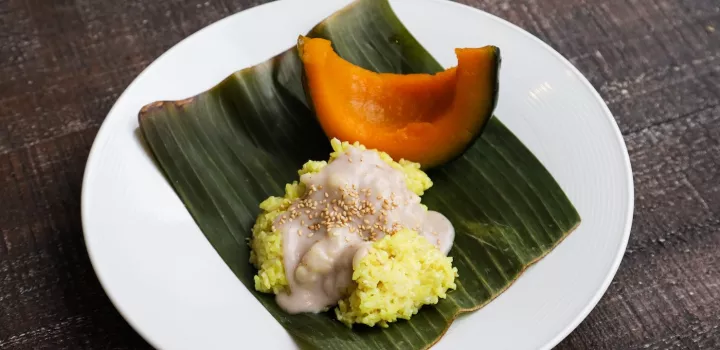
(326, 195)
(299, 232)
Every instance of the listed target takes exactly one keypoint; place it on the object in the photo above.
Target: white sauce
(354, 200)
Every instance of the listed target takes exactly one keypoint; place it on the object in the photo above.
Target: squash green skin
(484, 116)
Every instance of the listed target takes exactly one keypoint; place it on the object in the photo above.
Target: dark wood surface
(63, 63)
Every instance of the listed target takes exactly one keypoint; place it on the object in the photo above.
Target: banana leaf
(227, 149)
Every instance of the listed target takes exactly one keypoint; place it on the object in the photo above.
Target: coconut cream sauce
(353, 201)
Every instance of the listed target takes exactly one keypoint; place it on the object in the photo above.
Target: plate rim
(620, 254)
(100, 139)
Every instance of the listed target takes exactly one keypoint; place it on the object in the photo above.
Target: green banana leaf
(229, 148)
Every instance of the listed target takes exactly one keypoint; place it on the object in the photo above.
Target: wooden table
(63, 63)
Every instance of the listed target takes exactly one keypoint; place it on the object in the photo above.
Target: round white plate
(173, 288)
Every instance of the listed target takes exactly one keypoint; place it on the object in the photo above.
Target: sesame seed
(311, 234)
(326, 195)
(299, 232)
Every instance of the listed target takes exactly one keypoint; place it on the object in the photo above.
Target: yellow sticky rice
(399, 274)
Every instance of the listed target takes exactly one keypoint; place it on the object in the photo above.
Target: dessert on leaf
(350, 242)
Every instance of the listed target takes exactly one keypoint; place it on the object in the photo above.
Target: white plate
(173, 288)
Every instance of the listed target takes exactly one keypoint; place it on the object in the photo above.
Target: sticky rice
(397, 276)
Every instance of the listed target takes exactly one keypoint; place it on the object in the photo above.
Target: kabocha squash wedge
(424, 118)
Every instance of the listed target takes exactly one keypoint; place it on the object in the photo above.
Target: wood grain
(656, 62)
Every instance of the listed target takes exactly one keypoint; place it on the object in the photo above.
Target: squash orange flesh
(419, 117)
